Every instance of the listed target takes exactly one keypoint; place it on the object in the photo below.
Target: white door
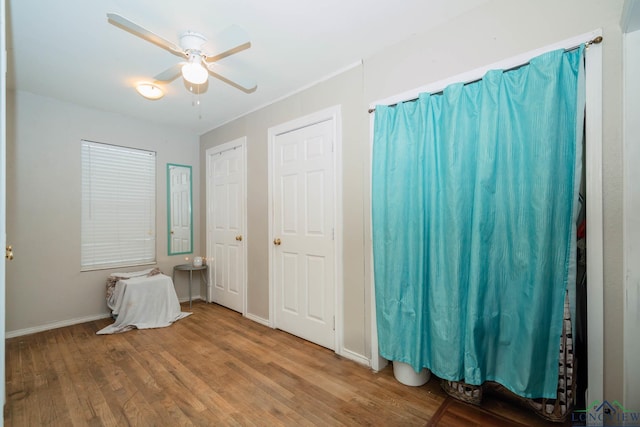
(226, 215)
(303, 233)
(180, 178)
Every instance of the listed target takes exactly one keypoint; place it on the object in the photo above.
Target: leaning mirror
(179, 211)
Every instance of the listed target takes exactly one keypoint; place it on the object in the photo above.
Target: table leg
(205, 279)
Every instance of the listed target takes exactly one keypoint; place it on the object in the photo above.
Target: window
(118, 206)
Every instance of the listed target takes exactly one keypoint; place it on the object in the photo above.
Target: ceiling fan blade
(170, 74)
(231, 40)
(232, 78)
(141, 32)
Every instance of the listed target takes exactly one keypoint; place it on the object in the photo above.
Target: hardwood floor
(216, 367)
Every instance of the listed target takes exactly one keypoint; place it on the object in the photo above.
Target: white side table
(204, 273)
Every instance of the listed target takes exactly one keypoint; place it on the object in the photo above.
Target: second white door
(303, 226)
(225, 224)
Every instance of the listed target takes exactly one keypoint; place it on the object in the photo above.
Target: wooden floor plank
(46, 357)
(459, 414)
(216, 367)
(15, 388)
(69, 401)
(94, 406)
(29, 374)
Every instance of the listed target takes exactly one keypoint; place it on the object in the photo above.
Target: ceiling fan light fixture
(194, 47)
(149, 90)
(194, 72)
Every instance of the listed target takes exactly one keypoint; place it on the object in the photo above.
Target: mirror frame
(169, 249)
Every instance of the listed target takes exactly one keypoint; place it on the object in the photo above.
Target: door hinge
(334, 323)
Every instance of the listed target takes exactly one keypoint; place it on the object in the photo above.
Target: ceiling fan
(199, 60)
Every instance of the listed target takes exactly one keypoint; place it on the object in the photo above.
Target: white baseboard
(55, 325)
(193, 299)
(257, 319)
(348, 354)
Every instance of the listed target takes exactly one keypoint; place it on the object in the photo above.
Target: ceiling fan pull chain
(199, 105)
(195, 99)
(193, 95)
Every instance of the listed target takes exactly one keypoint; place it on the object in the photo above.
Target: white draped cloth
(143, 302)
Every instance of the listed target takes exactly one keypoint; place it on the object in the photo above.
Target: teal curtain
(473, 199)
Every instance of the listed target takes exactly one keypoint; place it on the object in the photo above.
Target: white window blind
(118, 206)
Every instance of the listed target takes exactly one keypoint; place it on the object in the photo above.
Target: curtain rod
(596, 40)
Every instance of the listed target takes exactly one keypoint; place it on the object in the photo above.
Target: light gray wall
(44, 283)
(495, 31)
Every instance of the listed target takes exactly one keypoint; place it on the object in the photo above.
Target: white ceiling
(66, 49)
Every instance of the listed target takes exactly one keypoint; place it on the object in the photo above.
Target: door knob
(239, 238)
(8, 254)
(276, 242)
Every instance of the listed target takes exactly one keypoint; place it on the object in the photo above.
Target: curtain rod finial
(596, 40)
